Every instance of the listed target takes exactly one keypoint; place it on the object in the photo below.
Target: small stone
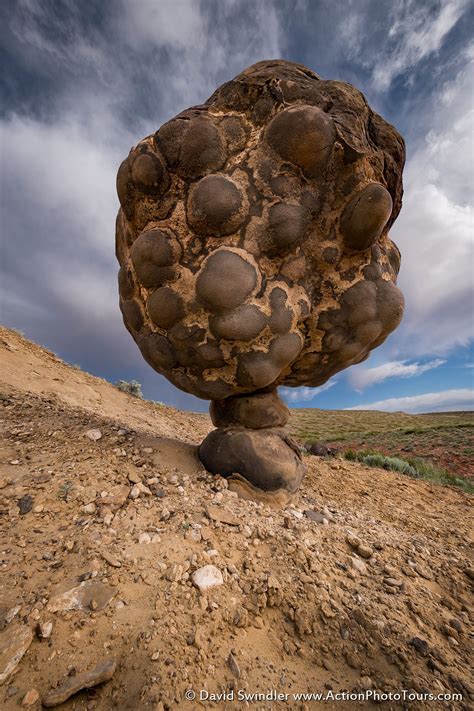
(421, 645)
(393, 582)
(206, 533)
(14, 642)
(90, 594)
(89, 508)
(94, 434)
(25, 504)
(215, 513)
(316, 516)
(207, 577)
(44, 630)
(111, 559)
(30, 698)
(353, 541)
(155, 656)
(456, 624)
(72, 684)
(38, 509)
(296, 514)
(134, 477)
(144, 538)
(359, 565)
(116, 497)
(233, 665)
(12, 613)
(423, 572)
(15, 462)
(134, 492)
(365, 551)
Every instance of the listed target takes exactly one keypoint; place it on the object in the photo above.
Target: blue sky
(82, 82)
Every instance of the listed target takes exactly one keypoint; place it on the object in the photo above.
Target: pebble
(134, 477)
(296, 514)
(94, 434)
(30, 698)
(215, 513)
(134, 492)
(12, 613)
(25, 504)
(423, 572)
(352, 540)
(89, 508)
(456, 624)
(144, 538)
(72, 684)
(316, 516)
(44, 630)
(111, 559)
(207, 577)
(359, 565)
(365, 551)
(421, 645)
(233, 665)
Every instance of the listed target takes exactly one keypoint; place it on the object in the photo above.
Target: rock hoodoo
(254, 252)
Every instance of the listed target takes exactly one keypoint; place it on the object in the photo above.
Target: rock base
(252, 449)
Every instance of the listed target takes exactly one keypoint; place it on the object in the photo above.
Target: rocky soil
(111, 532)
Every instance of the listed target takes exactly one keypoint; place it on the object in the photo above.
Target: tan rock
(102, 672)
(14, 642)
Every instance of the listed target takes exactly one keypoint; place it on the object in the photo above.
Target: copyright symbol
(190, 695)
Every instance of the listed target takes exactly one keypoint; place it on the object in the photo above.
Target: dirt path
(368, 592)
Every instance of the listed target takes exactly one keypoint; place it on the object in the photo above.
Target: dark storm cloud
(82, 82)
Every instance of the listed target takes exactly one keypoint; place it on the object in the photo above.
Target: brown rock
(89, 595)
(231, 216)
(222, 515)
(102, 672)
(14, 642)
(30, 698)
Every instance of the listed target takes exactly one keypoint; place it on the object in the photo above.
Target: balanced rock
(254, 250)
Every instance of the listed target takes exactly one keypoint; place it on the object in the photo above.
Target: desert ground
(361, 585)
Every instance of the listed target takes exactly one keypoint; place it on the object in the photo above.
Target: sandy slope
(302, 608)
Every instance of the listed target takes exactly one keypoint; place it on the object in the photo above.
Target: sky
(83, 82)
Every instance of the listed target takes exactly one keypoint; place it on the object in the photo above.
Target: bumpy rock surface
(254, 252)
(253, 234)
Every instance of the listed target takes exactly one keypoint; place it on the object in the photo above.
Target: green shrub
(413, 466)
(131, 387)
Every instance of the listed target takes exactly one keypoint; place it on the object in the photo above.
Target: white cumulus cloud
(361, 378)
(304, 394)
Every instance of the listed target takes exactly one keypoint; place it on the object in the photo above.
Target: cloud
(304, 394)
(88, 85)
(416, 31)
(361, 378)
(434, 229)
(445, 401)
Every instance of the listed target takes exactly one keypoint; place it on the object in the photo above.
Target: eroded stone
(253, 243)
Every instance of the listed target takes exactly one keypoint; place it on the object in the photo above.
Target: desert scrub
(132, 387)
(416, 468)
(374, 459)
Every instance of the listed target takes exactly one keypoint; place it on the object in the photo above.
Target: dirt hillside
(361, 588)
